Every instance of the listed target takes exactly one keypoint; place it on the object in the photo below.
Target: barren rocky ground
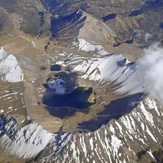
(116, 127)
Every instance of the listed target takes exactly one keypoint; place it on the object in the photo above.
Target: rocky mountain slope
(87, 55)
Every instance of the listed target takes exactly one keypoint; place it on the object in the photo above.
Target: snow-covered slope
(29, 141)
(10, 70)
(99, 65)
(127, 139)
(135, 137)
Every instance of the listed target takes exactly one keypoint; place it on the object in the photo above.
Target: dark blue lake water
(161, 25)
(135, 13)
(55, 67)
(65, 105)
(109, 17)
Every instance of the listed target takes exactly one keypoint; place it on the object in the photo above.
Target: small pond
(55, 67)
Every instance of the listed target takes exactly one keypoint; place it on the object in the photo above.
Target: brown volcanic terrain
(32, 56)
(22, 35)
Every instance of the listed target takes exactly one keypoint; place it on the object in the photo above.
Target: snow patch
(10, 71)
(147, 115)
(57, 85)
(83, 45)
(28, 142)
(116, 144)
(114, 68)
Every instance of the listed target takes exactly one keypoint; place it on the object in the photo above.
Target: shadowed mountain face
(71, 87)
(67, 26)
(125, 18)
(63, 8)
(114, 110)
